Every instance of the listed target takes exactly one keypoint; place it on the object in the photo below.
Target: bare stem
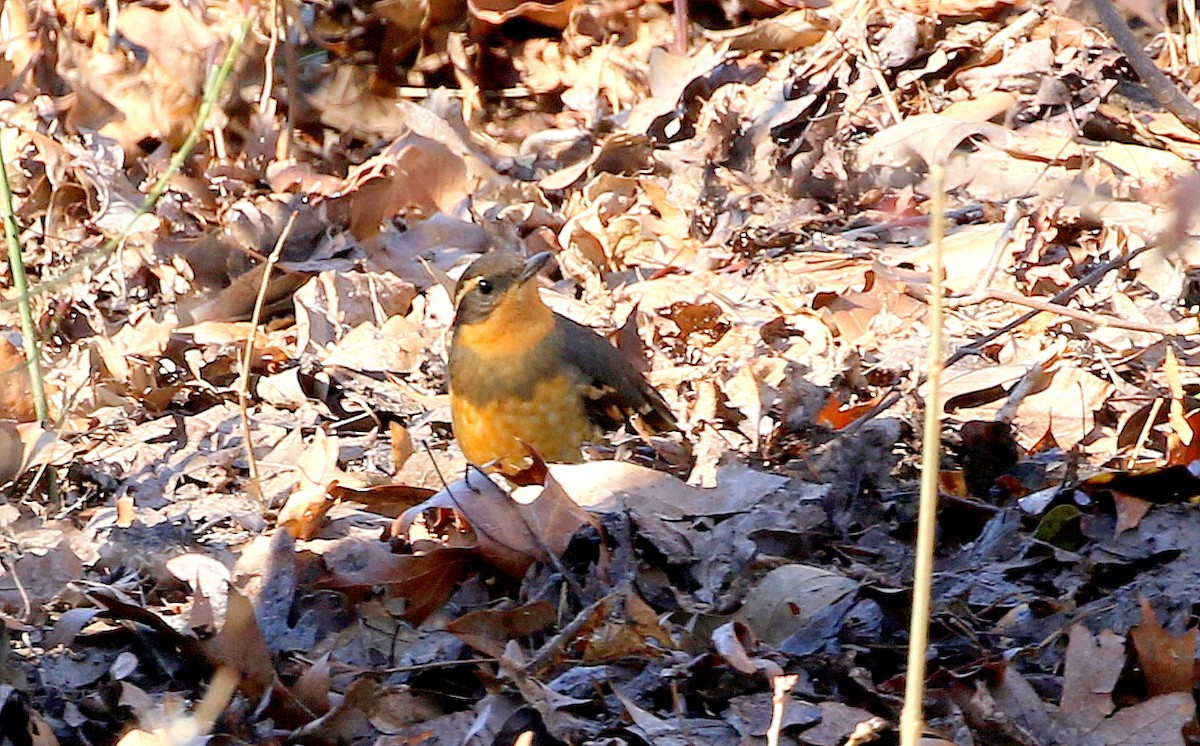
(912, 716)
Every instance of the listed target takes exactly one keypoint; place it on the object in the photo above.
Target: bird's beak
(532, 266)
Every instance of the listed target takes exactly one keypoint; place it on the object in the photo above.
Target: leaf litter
(743, 210)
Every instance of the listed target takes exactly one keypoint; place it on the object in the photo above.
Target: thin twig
(912, 716)
(780, 686)
(26, 604)
(681, 26)
(876, 69)
(243, 387)
(1034, 375)
(406, 669)
(1163, 88)
(1058, 298)
(291, 74)
(264, 96)
(1177, 329)
(1144, 433)
(556, 644)
(957, 215)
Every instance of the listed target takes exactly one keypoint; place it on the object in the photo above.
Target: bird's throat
(517, 326)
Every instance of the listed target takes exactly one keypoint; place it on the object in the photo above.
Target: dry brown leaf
(333, 303)
(1167, 660)
(416, 177)
(552, 14)
(928, 137)
(12, 456)
(424, 581)
(509, 534)
(156, 98)
(836, 416)
(16, 400)
(1130, 511)
(630, 628)
(490, 630)
(317, 471)
(240, 646)
(787, 598)
(38, 576)
(733, 641)
(1086, 712)
(786, 32)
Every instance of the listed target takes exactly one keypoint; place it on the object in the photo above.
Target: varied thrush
(521, 374)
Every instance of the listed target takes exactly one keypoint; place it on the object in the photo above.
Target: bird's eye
(485, 287)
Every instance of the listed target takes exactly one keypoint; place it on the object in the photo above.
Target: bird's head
(498, 284)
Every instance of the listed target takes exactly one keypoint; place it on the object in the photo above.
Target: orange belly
(552, 420)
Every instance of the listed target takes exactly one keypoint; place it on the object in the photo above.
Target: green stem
(17, 264)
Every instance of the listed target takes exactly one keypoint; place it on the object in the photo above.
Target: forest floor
(234, 517)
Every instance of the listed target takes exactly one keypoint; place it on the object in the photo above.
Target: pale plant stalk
(243, 387)
(17, 267)
(780, 686)
(912, 718)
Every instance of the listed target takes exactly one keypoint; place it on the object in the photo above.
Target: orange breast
(553, 420)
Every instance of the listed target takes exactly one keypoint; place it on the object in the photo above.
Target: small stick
(554, 645)
(1056, 299)
(1164, 89)
(912, 716)
(1147, 426)
(958, 214)
(243, 387)
(16, 265)
(681, 27)
(1177, 329)
(780, 686)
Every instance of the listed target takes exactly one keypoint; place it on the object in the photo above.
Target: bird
(522, 375)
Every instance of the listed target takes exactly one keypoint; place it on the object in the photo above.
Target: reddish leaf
(425, 581)
(490, 630)
(1166, 659)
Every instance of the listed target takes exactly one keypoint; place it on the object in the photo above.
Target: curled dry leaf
(333, 303)
(25, 445)
(607, 486)
(552, 13)
(733, 641)
(416, 177)
(508, 534)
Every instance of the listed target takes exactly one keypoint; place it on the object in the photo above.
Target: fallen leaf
(1167, 660)
(490, 630)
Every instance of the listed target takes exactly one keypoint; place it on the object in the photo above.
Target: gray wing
(617, 390)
